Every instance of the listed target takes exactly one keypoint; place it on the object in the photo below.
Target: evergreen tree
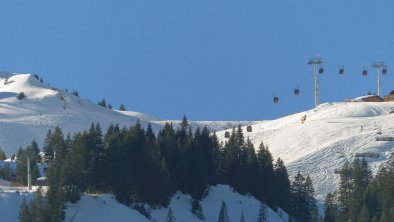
(75, 93)
(95, 164)
(310, 198)
(250, 168)
(330, 208)
(265, 179)
(302, 198)
(223, 215)
(24, 212)
(55, 196)
(170, 216)
(234, 163)
(5, 172)
(201, 163)
(2, 155)
(197, 209)
(102, 103)
(54, 145)
(364, 214)
(122, 107)
(166, 142)
(281, 193)
(242, 219)
(262, 213)
(21, 95)
(32, 153)
(156, 181)
(37, 207)
(345, 190)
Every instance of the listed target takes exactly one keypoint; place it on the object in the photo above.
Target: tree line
(140, 167)
(361, 197)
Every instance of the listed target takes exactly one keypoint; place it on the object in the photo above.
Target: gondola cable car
(384, 71)
(365, 72)
(341, 71)
(321, 70)
(297, 91)
(276, 100)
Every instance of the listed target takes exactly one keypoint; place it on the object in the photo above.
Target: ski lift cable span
(286, 84)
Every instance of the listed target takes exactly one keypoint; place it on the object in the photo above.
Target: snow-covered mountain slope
(45, 107)
(331, 134)
(105, 208)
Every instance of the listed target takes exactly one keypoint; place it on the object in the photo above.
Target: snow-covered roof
(362, 98)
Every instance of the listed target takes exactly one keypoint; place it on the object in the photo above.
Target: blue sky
(210, 60)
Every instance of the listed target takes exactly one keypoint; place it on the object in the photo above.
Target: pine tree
(156, 180)
(166, 142)
(24, 212)
(281, 193)
(54, 145)
(262, 213)
(234, 162)
(223, 215)
(197, 209)
(242, 219)
(102, 103)
(32, 153)
(170, 216)
(37, 206)
(361, 177)
(311, 200)
(72, 177)
(201, 163)
(330, 208)
(95, 164)
(55, 196)
(2, 155)
(75, 93)
(21, 96)
(122, 107)
(364, 214)
(302, 198)
(265, 180)
(345, 190)
(250, 168)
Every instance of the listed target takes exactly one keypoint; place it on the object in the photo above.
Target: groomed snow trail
(332, 134)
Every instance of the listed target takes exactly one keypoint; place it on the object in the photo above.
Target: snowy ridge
(45, 107)
(332, 134)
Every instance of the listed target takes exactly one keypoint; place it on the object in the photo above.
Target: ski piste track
(332, 135)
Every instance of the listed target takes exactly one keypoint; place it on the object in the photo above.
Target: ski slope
(46, 107)
(332, 134)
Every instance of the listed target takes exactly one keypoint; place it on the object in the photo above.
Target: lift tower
(316, 63)
(379, 66)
